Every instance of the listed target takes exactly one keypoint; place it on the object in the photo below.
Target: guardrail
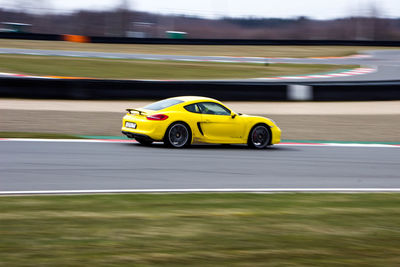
(241, 91)
(31, 36)
(127, 40)
(123, 40)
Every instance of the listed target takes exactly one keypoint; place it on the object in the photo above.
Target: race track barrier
(246, 91)
(189, 41)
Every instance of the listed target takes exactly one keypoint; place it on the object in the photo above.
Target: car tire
(178, 135)
(144, 141)
(259, 136)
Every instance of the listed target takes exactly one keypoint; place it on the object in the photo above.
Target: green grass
(146, 69)
(201, 230)
(196, 50)
(38, 135)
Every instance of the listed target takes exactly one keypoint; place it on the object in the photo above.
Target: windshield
(166, 103)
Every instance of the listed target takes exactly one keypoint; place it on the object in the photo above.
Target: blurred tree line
(122, 21)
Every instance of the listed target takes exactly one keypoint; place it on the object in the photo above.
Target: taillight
(157, 117)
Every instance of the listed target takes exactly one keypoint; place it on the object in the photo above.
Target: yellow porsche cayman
(181, 121)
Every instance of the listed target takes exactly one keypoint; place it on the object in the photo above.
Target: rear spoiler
(141, 112)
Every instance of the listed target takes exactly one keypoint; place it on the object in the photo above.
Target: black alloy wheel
(178, 135)
(259, 137)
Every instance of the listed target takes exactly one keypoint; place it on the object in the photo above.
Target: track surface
(387, 62)
(26, 166)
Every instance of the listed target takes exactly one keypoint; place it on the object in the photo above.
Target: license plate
(129, 124)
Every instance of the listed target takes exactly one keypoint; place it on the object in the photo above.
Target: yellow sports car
(181, 121)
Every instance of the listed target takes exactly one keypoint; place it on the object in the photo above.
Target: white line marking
(339, 145)
(205, 190)
(112, 57)
(183, 59)
(32, 53)
(151, 58)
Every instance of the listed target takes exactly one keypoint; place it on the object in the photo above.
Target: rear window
(166, 103)
(193, 108)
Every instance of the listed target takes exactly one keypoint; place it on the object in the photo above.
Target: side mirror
(233, 115)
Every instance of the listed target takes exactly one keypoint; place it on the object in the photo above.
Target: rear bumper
(134, 135)
(155, 130)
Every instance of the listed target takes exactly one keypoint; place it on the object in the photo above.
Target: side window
(213, 108)
(193, 108)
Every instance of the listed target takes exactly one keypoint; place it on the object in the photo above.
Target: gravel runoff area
(336, 121)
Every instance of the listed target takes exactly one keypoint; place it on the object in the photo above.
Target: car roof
(193, 98)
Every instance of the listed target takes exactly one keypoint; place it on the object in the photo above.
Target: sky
(318, 9)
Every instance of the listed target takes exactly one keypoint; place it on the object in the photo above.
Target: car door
(218, 124)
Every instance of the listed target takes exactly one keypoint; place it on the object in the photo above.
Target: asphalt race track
(37, 166)
(386, 62)
(41, 166)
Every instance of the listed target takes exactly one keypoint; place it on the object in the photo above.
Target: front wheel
(259, 137)
(177, 135)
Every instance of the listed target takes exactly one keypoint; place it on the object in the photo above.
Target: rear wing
(141, 112)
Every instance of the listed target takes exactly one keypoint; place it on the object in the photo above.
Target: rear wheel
(144, 141)
(259, 137)
(178, 135)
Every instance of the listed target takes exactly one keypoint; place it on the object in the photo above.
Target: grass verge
(195, 50)
(146, 69)
(201, 230)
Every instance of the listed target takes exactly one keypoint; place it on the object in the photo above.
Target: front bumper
(276, 135)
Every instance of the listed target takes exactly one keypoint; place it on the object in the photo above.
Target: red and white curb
(68, 140)
(324, 144)
(264, 60)
(7, 74)
(17, 75)
(345, 57)
(346, 73)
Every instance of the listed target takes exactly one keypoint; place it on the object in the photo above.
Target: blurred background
(254, 19)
